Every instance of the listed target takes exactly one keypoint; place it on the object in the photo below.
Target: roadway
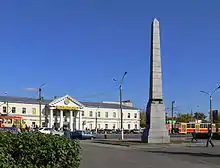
(110, 156)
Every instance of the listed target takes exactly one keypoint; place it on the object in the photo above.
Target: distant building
(215, 115)
(67, 111)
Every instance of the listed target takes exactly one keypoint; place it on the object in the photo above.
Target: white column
(71, 120)
(80, 120)
(51, 118)
(61, 118)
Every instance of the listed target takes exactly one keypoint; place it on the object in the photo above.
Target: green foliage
(199, 116)
(218, 120)
(143, 119)
(183, 117)
(36, 150)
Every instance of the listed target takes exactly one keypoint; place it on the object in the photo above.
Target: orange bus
(9, 121)
(185, 128)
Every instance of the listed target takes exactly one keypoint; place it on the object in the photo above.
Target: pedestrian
(209, 140)
(194, 136)
(105, 134)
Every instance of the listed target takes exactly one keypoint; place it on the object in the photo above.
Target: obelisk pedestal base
(156, 137)
(156, 131)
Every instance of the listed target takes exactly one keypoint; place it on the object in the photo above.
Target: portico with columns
(65, 112)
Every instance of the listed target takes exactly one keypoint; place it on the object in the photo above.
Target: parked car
(45, 130)
(82, 135)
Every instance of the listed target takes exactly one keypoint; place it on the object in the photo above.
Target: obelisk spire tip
(155, 20)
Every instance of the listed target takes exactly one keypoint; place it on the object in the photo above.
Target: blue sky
(78, 47)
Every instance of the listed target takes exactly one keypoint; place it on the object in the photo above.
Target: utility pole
(6, 93)
(40, 100)
(210, 102)
(211, 114)
(122, 130)
(96, 118)
(40, 103)
(191, 115)
(120, 90)
(173, 102)
(7, 107)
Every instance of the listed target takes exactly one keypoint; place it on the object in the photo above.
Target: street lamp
(172, 108)
(210, 101)
(120, 89)
(40, 99)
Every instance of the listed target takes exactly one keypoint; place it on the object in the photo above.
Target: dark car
(82, 135)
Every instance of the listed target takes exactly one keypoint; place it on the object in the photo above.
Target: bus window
(201, 125)
(205, 125)
(9, 121)
(193, 126)
(188, 125)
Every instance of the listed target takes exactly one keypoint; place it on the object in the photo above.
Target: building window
(106, 114)
(99, 114)
(113, 126)
(129, 126)
(114, 114)
(82, 113)
(4, 110)
(65, 119)
(135, 115)
(23, 110)
(90, 126)
(90, 114)
(129, 115)
(98, 126)
(33, 110)
(13, 110)
(106, 126)
(135, 126)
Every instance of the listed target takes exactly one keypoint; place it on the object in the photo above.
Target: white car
(45, 130)
(50, 131)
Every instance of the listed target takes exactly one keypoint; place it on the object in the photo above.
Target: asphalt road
(107, 156)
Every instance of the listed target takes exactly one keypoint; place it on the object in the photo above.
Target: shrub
(36, 150)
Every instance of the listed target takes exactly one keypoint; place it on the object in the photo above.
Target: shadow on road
(187, 153)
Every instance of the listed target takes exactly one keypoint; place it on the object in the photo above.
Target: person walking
(209, 140)
(194, 136)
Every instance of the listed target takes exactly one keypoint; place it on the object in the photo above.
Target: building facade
(68, 112)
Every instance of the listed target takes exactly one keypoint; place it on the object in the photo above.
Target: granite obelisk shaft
(156, 131)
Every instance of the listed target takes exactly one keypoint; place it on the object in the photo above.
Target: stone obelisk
(156, 131)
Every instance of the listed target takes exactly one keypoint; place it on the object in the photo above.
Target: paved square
(108, 156)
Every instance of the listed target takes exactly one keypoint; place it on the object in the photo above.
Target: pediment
(66, 102)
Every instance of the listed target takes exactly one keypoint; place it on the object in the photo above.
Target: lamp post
(40, 99)
(173, 102)
(166, 113)
(210, 101)
(120, 89)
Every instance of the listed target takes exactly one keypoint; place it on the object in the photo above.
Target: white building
(74, 114)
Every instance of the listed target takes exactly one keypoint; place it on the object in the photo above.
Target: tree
(218, 120)
(199, 116)
(143, 119)
(183, 117)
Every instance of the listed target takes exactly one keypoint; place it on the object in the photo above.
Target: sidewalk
(197, 149)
